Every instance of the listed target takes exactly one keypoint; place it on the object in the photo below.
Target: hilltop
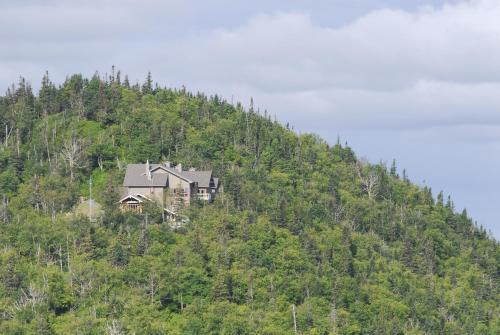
(305, 238)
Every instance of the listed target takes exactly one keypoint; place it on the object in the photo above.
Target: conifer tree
(147, 87)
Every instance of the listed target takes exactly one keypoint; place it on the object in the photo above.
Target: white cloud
(386, 49)
(427, 104)
(389, 68)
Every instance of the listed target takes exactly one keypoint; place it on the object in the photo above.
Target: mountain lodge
(172, 187)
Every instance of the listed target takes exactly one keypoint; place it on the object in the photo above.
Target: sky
(415, 81)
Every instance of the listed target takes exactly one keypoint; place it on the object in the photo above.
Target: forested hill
(305, 239)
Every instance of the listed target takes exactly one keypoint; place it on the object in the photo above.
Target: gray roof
(200, 177)
(173, 171)
(135, 197)
(136, 176)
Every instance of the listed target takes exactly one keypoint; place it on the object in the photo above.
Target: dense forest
(305, 239)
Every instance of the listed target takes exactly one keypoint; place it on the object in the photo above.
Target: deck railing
(132, 207)
(204, 196)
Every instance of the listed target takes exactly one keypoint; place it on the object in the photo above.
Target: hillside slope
(304, 234)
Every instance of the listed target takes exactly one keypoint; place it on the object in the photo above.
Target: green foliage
(355, 248)
(59, 297)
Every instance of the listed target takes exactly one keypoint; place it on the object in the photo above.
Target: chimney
(148, 170)
(179, 167)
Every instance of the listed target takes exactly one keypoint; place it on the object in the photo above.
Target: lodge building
(172, 187)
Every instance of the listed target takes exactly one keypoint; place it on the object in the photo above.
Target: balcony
(132, 207)
(204, 196)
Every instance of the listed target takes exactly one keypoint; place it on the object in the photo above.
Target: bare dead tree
(369, 181)
(76, 104)
(5, 213)
(18, 142)
(31, 297)
(7, 134)
(114, 328)
(72, 155)
(152, 286)
(339, 212)
(46, 134)
(294, 319)
(333, 318)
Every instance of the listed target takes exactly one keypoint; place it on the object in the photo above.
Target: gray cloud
(385, 49)
(427, 104)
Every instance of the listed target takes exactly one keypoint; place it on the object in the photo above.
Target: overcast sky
(418, 81)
